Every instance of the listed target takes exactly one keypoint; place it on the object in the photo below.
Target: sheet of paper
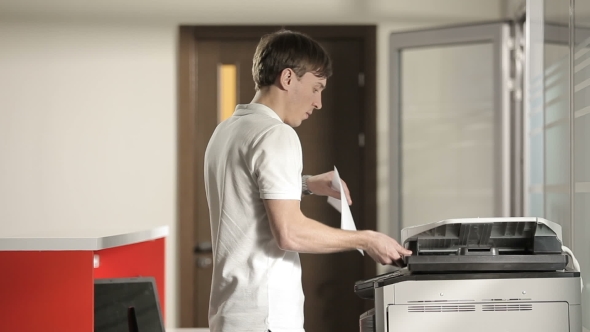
(346, 220)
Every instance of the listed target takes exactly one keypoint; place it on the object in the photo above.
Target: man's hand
(322, 185)
(384, 249)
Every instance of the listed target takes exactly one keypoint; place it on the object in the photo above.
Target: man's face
(305, 97)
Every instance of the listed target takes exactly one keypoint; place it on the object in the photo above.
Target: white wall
(87, 125)
(88, 103)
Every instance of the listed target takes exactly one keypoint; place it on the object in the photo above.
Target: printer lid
(503, 233)
(485, 244)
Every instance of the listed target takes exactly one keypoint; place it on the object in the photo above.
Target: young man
(253, 166)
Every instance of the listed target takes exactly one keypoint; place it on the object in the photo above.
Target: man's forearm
(310, 236)
(295, 232)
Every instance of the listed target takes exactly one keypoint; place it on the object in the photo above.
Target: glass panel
(557, 207)
(447, 138)
(559, 115)
(582, 250)
(534, 115)
(548, 120)
(536, 173)
(226, 91)
(556, 82)
(582, 148)
(581, 156)
(557, 134)
(557, 156)
(537, 202)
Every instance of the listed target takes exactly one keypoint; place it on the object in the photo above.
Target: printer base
(544, 304)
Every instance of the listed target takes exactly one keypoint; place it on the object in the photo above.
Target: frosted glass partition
(557, 127)
(447, 133)
(547, 117)
(581, 158)
(450, 141)
(533, 111)
(565, 193)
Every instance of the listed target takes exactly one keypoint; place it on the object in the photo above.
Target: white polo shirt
(256, 286)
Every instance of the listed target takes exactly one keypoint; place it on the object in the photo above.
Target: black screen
(114, 297)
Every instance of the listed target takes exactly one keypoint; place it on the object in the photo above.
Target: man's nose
(318, 104)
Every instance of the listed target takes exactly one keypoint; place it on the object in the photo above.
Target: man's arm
(295, 232)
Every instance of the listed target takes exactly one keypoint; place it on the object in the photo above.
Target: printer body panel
(486, 290)
(576, 318)
(383, 297)
(539, 304)
(469, 317)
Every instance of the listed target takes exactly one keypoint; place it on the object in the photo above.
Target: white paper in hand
(346, 220)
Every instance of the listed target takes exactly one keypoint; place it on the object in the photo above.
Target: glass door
(557, 124)
(450, 127)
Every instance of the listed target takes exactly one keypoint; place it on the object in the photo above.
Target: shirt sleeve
(277, 163)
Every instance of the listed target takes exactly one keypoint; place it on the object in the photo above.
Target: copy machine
(484, 275)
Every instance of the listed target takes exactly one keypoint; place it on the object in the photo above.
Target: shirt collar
(254, 108)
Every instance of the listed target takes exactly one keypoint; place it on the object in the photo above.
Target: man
(253, 166)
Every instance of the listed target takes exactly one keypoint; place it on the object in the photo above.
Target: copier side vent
(469, 308)
(441, 308)
(439, 301)
(507, 307)
(505, 300)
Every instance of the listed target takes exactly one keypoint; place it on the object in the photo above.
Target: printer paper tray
(504, 263)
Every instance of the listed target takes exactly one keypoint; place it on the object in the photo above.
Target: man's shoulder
(277, 133)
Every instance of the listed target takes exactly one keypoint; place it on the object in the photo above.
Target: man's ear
(285, 79)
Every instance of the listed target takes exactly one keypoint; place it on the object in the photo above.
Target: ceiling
(260, 11)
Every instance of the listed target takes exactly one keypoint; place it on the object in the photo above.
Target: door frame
(190, 197)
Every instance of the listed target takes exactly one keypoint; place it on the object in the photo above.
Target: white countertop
(79, 239)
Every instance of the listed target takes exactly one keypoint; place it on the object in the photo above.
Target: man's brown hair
(288, 49)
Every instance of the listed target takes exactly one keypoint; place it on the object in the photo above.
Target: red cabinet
(47, 283)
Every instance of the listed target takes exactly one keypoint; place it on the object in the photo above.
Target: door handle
(203, 248)
(204, 262)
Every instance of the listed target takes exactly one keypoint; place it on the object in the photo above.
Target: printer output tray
(499, 263)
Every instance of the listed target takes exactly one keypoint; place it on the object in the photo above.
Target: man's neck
(271, 98)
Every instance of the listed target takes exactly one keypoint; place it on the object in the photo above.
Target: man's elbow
(285, 241)
(285, 231)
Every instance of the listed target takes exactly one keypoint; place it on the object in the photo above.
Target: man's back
(256, 286)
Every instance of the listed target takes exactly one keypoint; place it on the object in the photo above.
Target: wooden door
(330, 137)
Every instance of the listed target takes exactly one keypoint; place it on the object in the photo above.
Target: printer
(480, 274)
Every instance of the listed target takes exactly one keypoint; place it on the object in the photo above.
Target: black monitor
(114, 297)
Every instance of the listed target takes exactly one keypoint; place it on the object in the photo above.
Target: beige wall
(87, 124)
(88, 101)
